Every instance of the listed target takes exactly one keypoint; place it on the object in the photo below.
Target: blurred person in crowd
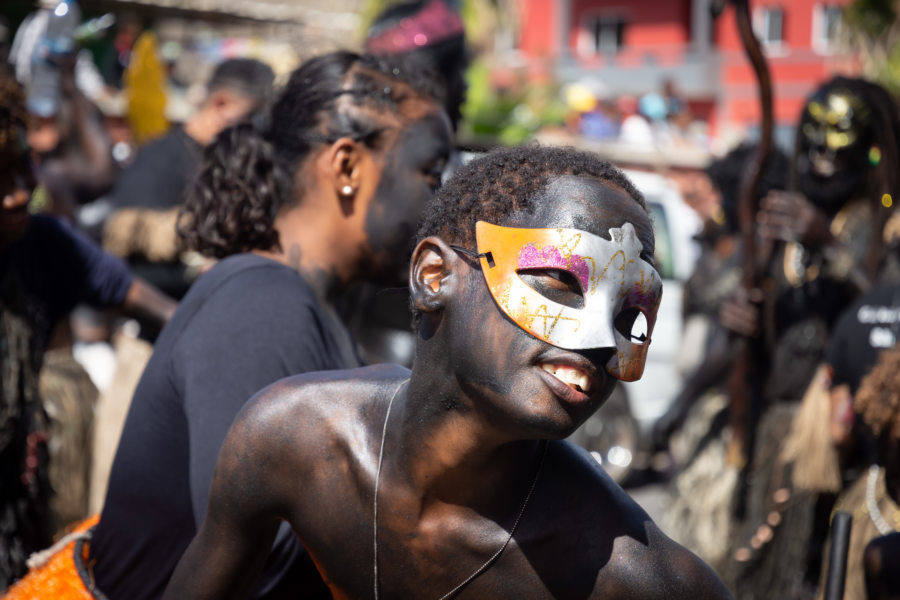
(46, 267)
(429, 31)
(874, 498)
(826, 242)
(28, 39)
(635, 130)
(676, 107)
(693, 430)
(75, 166)
(148, 192)
(113, 65)
(715, 278)
(601, 122)
(326, 191)
(70, 149)
(429, 496)
(163, 168)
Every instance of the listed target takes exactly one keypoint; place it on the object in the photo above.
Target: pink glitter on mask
(549, 257)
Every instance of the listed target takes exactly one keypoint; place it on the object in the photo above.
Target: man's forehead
(585, 203)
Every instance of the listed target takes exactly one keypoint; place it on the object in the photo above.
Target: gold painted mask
(619, 288)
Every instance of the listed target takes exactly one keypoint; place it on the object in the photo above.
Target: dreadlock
(24, 502)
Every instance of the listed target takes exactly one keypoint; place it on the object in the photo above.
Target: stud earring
(346, 190)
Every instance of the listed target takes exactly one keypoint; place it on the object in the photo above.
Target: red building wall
(662, 30)
(796, 67)
(538, 27)
(649, 22)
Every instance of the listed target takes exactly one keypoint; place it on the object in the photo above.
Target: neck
(311, 244)
(443, 448)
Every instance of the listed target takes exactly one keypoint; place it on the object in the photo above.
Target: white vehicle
(622, 427)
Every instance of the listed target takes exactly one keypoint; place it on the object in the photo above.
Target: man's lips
(570, 376)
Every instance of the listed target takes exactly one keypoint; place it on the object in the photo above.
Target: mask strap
(474, 255)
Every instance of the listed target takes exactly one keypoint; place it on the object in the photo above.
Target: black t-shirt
(160, 173)
(243, 325)
(869, 326)
(53, 267)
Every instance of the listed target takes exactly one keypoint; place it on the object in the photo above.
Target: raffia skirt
(60, 572)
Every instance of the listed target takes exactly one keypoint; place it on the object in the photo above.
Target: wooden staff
(747, 375)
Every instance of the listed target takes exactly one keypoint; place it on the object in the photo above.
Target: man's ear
(348, 171)
(433, 274)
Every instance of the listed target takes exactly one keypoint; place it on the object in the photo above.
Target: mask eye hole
(554, 284)
(632, 323)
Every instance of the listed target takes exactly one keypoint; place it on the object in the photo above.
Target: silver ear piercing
(346, 190)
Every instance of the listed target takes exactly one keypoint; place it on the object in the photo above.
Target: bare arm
(662, 569)
(95, 172)
(231, 547)
(145, 300)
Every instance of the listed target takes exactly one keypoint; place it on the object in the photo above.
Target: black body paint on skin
(410, 176)
(496, 360)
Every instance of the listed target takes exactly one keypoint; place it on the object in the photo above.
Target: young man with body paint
(534, 291)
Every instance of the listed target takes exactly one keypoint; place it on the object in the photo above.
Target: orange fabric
(58, 578)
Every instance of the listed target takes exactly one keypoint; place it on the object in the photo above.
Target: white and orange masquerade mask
(616, 283)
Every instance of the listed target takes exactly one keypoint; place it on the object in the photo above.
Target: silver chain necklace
(875, 515)
(489, 561)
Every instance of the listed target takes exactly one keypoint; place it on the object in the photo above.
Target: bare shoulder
(624, 550)
(306, 421)
(658, 567)
(319, 394)
(308, 407)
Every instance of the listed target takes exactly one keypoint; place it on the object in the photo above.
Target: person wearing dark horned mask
(830, 238)
(533, 293)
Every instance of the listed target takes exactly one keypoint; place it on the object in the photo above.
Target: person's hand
(740, 312)
(843, 417)
(790, 217)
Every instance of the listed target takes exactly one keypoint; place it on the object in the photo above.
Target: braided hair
(248, 170)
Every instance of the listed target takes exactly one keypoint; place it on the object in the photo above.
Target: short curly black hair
(506, 181)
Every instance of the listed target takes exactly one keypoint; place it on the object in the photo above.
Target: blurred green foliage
(510, 113)
(873, 29)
